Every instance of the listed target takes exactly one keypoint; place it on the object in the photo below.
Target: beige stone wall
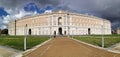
(118, 31)
(11, 28)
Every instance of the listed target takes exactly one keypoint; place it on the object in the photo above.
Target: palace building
(60, 23)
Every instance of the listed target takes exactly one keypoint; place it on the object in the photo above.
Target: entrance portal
(89, 31)
(60, 31)
(29, 32)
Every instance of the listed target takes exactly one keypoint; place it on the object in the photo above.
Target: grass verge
(17, 42)
(109, 40)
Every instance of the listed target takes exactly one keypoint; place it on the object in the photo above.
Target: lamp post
(50, 33)
(68, 32)
(15, 27)
(25, 38)
(103, 34)
(68, 24)
(72, 32)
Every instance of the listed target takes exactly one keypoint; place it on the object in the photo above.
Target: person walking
(54, 34)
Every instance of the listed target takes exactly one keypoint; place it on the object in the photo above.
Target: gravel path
(65, 47)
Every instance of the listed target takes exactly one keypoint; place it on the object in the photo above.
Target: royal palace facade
(60, 23)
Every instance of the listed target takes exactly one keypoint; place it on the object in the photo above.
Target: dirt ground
(65, 47)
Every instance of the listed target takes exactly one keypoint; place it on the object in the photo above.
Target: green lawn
(17, 42)
(96, 39)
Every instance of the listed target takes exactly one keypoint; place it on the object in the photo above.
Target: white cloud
(1, 20)
(15, 15)
(23, 13)
(3, 27)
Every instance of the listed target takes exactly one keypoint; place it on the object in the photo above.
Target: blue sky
(3, 12)
(15, 9)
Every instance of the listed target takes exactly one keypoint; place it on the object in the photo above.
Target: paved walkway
(65, 47)
(7, 52)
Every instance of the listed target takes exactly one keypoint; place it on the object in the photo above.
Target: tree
(4, 31)
(0, 31)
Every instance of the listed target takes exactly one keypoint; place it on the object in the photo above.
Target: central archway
(60, 30)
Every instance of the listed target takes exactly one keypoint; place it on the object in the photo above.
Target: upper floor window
(60, 21)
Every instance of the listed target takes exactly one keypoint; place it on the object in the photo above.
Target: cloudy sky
(15, 9)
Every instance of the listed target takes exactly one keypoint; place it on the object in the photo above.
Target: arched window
(60, 21)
